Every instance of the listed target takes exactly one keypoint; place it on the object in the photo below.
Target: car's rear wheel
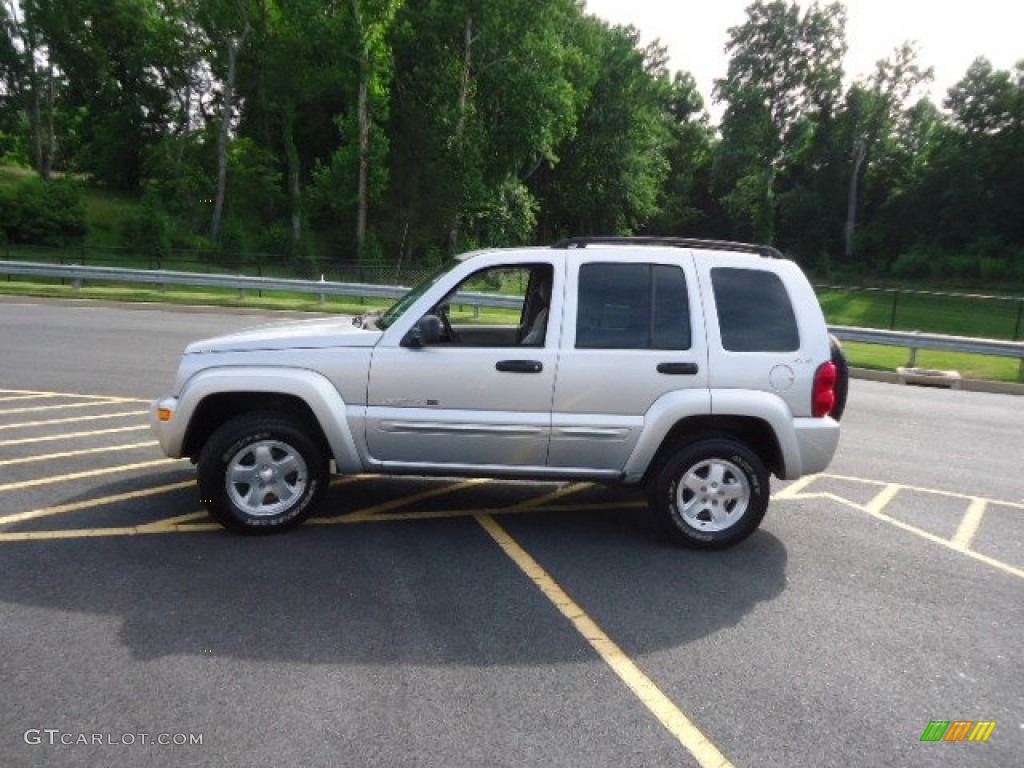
(710, 494)
(261, 473)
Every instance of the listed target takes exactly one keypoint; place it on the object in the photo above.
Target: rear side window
(632, 306)
(754, 311)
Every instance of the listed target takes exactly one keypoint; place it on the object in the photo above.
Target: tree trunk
(294, 175)
(51, 134)
(234, 45)
(851, 202)
(362, 190)
(460, 126)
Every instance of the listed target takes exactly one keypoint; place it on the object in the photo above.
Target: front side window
(516, 315)
(632, 306)
(754, 311)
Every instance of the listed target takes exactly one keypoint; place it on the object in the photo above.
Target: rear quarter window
(754, 311)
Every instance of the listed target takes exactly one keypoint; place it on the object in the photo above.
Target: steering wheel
(442, 312)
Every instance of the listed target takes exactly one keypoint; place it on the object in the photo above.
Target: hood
(320, 333)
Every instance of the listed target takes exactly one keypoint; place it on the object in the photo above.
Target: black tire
(282, 494)
(842, 377)
(710, 494)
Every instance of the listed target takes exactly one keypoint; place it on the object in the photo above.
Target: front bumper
(165, 424)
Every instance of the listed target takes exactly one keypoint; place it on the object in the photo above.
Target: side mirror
(426, 331)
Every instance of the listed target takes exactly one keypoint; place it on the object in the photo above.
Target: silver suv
(694, 368)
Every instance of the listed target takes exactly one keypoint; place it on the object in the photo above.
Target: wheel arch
(218, 408)
(756, 433)
(215, 396)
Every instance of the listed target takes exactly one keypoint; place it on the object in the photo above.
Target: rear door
(634, 333)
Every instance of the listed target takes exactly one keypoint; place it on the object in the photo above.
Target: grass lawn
(885, 358)
(958, 315)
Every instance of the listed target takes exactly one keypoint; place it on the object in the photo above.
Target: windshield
(399, 307)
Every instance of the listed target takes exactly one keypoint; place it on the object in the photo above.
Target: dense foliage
(405, 129)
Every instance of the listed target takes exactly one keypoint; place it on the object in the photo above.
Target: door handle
(678, 369)
(519, 366)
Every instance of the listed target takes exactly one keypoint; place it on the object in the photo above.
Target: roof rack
(766, 251)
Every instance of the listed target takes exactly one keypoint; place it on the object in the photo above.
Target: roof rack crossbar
(676, 242)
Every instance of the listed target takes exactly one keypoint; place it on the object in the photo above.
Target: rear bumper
(816, 444)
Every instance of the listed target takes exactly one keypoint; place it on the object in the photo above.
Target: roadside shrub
(916, 262)
(34, 212)
(149, 232)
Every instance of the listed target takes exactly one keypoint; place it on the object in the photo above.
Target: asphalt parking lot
(433, 622)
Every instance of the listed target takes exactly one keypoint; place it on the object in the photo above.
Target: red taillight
(823, 399)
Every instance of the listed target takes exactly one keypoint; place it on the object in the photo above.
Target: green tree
(113, 55)
(610, 173)
(785, 69)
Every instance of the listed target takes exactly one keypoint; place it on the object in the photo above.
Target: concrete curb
(967, 385)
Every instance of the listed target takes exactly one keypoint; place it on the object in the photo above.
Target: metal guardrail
(935, 341)
(163, 278)
(323, 288)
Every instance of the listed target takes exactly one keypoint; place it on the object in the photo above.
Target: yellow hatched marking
(643, 687)
(449, 514)
(90, 503)
(883, 499)
(9, 398)
(970, 524)
(795, 489)
(71, 435)
(83, 475)
(387, 506)
(889, 491)
(542, 500)
(37, 393)
(55, 422)
(919, 489)
(170, 522)
(65, 406)
(81, 452)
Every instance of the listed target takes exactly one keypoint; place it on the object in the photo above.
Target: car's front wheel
(710, 494)
(261, 473)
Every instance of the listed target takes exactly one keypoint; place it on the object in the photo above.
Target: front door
(482, 396)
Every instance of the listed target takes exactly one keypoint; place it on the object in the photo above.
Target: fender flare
(312, 388)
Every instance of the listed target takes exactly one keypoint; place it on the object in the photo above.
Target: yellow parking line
(643, 687)
(970, 524)
(76, 395)
(81, 475)
(55, 422)
(71, 435)
(81, 452)
(90, 503)
(8, 398)
(88, 533)
(182, 523)
(64, 406)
